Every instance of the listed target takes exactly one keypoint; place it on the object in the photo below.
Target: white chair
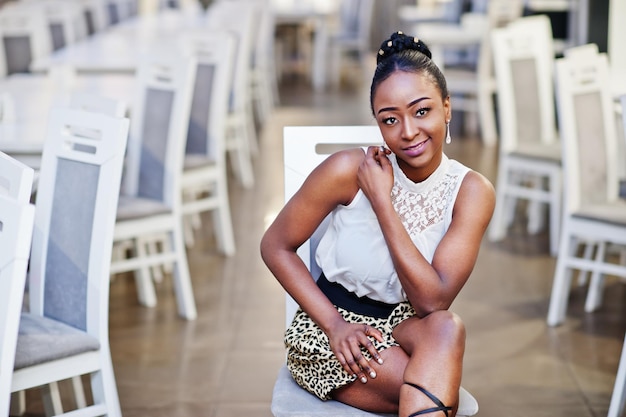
(304, 148)
(16, 179)
(65, 19)
(150, 202)
(238, 17)
(472, 90)
(263, 77)
(65, 332)
(16, 231)
(96, 15)
(25, 35)
(204, 180)
(529, 161)
(352, 36)
(98, 104)
(592, 209)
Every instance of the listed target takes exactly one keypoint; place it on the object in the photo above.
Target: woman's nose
(410, 129)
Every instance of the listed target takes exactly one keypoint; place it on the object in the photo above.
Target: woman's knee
(445, 324)
(444, 327)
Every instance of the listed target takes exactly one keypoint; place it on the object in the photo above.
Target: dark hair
(405, 53)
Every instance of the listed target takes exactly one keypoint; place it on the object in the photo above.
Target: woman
(375, 331)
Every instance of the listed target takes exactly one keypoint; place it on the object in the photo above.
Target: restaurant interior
(143, 156)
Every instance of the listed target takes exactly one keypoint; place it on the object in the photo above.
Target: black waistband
(339, 296)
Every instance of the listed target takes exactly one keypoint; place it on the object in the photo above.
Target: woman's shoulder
(344, 161)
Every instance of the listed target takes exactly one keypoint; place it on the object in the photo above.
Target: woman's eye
(422, 111)
(389, 120)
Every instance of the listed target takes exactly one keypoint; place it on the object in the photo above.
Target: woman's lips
(416, 149)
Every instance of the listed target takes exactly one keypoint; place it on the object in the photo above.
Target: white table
(32, 96)
(120, 47)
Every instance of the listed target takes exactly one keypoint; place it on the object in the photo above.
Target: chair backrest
(25, 36)
(214, 52)
(16, 179)
(76, 207)
(66, 21)
(237, 18)
(355, 19)
(16, 230)
(304, 148)
(95, 14)
(523, 55)
(588, 131)
(98, 104)
(156, 144)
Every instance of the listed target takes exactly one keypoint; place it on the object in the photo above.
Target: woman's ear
(447, 107)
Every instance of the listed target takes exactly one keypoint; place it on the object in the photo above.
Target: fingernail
(379, 360)
(373, 374)
(363, 379)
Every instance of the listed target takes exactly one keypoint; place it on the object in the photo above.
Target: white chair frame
(238, 17)
(204, 180)
(527, 159)
(16, 179)
(93, 139)
(172, 73)
(601, 223)
(305, 147)
(16, 231)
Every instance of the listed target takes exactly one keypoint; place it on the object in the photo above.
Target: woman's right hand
(346, 341)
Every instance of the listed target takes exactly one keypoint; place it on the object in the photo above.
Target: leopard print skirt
(313, 364)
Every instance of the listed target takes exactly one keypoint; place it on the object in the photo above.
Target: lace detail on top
(422, 208)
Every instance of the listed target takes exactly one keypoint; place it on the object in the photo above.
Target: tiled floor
(224, 363)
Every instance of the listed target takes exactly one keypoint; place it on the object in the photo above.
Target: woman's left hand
(375, 174)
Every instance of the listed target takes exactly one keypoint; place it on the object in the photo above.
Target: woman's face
(412, 117)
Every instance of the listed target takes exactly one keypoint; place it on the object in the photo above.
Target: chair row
(30, 29)
(572, 170)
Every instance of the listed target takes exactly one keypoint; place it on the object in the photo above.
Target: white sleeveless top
(353, 251)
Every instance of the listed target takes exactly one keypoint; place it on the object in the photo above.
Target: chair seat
(43, 340)
(129, 208)
(290, 400)
(611, 213)
(550, 152)
(193, 161)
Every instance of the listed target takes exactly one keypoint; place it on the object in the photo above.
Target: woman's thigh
(380, 394)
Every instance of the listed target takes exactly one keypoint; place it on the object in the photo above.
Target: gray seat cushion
(290, 400)
(129, 208)
(42, 340)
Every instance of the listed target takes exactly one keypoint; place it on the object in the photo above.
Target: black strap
(440, 406)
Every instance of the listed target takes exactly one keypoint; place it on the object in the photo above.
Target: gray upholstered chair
(593, 212)
(529, 156)
(205, 181)
(64, 333)
(24, 34)
(305, 147)
(150, 201)
(16, 230)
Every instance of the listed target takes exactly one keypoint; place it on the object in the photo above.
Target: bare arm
(431, 287)
(331, 184)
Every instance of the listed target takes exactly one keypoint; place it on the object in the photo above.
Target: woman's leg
(435, 344)
(431, 356)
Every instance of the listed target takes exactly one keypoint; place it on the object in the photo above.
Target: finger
(344, 364)
(364, 365)
(367, 344)
(354, 367)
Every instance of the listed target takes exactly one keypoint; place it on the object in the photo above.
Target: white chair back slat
(16, 227)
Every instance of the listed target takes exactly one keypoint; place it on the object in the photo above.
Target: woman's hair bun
(399, 42)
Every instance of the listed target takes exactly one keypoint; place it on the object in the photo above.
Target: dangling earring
(448, 138)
